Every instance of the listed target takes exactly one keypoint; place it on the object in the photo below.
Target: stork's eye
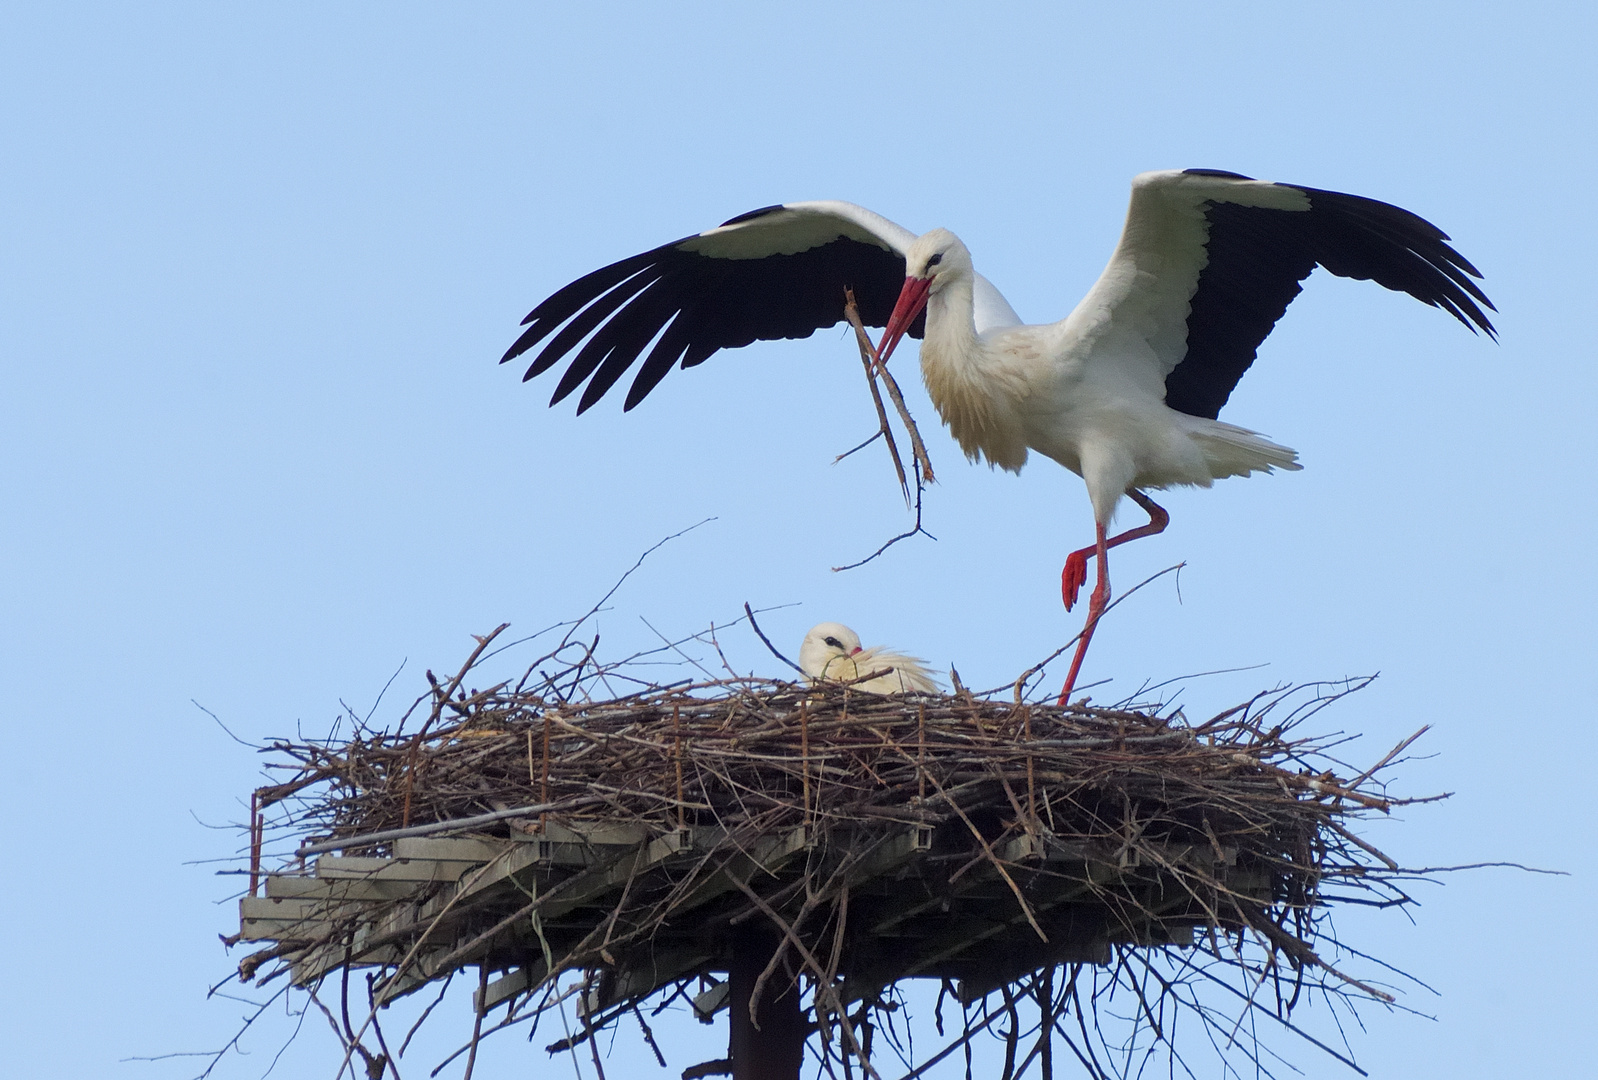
(935, 260)
(834, 642)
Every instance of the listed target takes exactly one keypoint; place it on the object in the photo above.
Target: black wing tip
(1222, 174)
(1453, 289)
(1477, 318)
(562, 393)
(701, 306)
(526, 340)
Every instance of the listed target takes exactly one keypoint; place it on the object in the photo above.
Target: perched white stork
(1125, 391)
(831, 652)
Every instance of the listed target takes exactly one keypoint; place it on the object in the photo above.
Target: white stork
(1125, 391)
(831, 652)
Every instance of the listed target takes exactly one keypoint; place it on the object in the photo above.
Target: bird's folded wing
(908, 672)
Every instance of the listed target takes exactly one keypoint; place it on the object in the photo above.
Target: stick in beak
(912, 298)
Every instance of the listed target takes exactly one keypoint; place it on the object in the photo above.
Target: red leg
(1076, 567)
(1096, 602)
(1075, 574)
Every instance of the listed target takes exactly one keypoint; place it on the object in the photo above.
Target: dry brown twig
(868, 359)
(921, 462)
(868, 353)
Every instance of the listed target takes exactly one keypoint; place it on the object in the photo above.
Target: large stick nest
(982, 842)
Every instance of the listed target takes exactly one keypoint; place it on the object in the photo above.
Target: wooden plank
(707, 1004)
(507, 986)
(1197, 856)
(1050, 848)
(601, 880)
(285, 929)
(1026, 846)
(520, 865)
(1254, 884)
(423, 970)
(575, 892)
(1047, 847)
(573, 853)
(594, 846)
(891, 853)
(969, 991)
(317, 962)
(345, 865)
(295, 886)
(263, 918)
(656, 969)
(354, 866)
(449, 850)
(522, 870)
(266, 907)
(1042, 846)
(951, 942)
(526, 858)
(523, 864)
(767, 856)
(596, 833)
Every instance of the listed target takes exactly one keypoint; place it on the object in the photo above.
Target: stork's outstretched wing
(777, 272)
(1209, 261)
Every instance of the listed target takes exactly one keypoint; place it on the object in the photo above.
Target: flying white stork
(831, 652)
(1125, 391)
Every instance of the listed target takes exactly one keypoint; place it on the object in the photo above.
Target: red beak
(854, 650)
(912, 298)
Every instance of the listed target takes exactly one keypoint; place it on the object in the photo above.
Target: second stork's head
(828, 652)
(935, 261)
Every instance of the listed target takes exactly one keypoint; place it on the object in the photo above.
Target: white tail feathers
(905, 673)
(1230, 450)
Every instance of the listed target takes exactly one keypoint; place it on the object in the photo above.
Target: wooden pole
(770, 1045)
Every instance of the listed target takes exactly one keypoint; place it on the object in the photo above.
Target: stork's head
(934, 260)
(828, 651)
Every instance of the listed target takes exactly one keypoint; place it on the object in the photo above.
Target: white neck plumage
(971, 397)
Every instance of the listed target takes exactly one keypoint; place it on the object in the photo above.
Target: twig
(914, 530)
(1390, 755)
(662, 542)
(922, 462)
(871, 355)
(823, 990)
(1020, 683)
(868, 357)
(762, 635)
(454, 825)
(477, 1021)
(440, 699)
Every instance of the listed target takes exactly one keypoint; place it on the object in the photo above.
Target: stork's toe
(1073, 577)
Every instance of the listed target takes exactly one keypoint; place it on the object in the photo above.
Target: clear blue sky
(257, 264)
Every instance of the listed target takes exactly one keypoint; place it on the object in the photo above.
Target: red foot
(1074, 576)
